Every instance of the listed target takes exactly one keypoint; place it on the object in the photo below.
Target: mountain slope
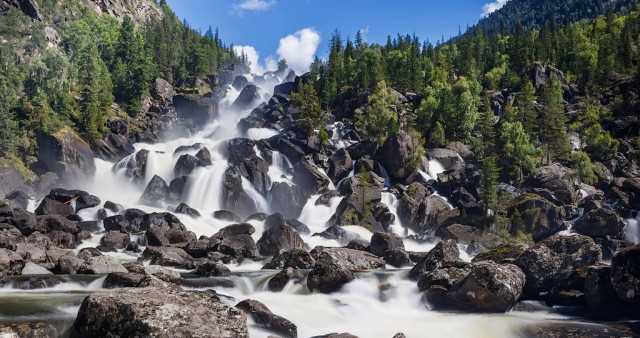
(536, 12)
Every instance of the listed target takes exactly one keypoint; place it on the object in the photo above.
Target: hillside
(533, 13)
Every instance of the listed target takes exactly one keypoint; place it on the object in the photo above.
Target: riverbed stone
(157, 312)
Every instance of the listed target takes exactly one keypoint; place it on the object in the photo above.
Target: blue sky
(299, 29)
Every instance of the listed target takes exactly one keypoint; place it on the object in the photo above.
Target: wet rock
(69, 264)
(240, 82)
(34, 269)
(195, 109)
(239, 246)
(162, 91)
(101, 265)
(547, 262)
(360, 149)
(282, 278)
(185, 165)
(570, 290)
(308, 177)
(397, 257)
(49, 206)
(298, 226)
(337, 233)
(183, 314)
(163, 220)
(166, 256)
(444, 277)
(18, 198)
(234, 230)
(87, 201)
(66, 155)
(183, 208)
(359, 244)
(164, 274)
(297, 258)
(334, 268)
(444, 254)
(10, 179)
(267, 319)
(113, 241)
(116, 223)
(381, 242)
(287, 200)
(247, 97)
(489, 287)
(625, 274)
(340, 164)
(395, 153)
(505, 253)
(225, 215)
(212, 269)
(449, 159)
(28, 329)
(117, 280)
(599, 223)
(599, 294)
(278, 238)
(156, 191)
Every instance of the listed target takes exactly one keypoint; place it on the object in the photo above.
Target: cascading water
(376, 304)
(632, 230)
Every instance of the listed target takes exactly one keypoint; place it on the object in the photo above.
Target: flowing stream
(376, 304)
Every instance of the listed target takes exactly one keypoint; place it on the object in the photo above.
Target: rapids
(376, 304)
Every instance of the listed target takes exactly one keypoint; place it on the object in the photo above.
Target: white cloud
(299, 49)
(491, 7)
(253, 57)
(253, 5)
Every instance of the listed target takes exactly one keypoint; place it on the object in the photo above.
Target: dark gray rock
(297, 258)
(156, 191)
(625, 274)
(101, 315)
(549, 261)
(267, 319)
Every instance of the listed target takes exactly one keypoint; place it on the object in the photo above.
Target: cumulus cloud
(299, 49)
(364, 32)
(253, 5)
(491, 7)
(253, 57)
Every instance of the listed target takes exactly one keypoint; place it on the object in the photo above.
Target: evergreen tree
(489, 181)
(517, 146)
(553, 130)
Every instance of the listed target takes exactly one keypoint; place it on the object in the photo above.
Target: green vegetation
(68, 72)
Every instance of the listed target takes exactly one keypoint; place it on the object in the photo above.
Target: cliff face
(139, 10)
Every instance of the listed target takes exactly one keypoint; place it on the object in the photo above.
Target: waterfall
(632, 230)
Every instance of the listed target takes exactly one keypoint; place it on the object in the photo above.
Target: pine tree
(527, 111)
(553, 131)
(517, 146)
(489, 181)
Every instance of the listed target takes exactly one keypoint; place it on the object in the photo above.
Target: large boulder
(552, 178)
(335, 267)
(247, 98)
(196, 109)
(162, 91)
(240, 82)
(279, 237)
(101, 265)
(308, 177)
(287, 200)
(134, 166)
(444, 254)
(267, 319)
(540, 217)
(549, 261)
(449, 159)
(296, 258)
(239, 246)
(489, 287)
(381, 242)
(28, 329)
(157, 312)
(66, 155)
(156, 191)
(10, 179)
(625, 274)
(340, 164)
(599, 223)
(395, 154)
